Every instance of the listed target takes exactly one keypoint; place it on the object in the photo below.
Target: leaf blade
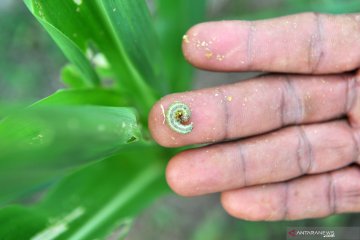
(69, 48)
(124, 184)
(87, 26)
(40, 143)
(173, 19)
(100, 97)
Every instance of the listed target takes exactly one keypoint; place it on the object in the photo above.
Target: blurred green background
(30, 62)
(30, 66)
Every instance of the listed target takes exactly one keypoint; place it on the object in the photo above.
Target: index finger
(255, 107)
(303, 43)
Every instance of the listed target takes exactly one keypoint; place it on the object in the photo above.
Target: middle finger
(274, 157)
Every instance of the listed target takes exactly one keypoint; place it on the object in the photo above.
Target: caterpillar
(178, 116)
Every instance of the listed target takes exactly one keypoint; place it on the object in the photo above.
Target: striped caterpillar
(178, 116)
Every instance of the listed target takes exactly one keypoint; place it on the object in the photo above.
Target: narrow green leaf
(100, 97)
(92, 26)
(68, 46)
(173, 19)
(240, 10)
(214, 226)
(96, 200)
(40, 143)
(138, 38)
(71, 77)
(13, 217)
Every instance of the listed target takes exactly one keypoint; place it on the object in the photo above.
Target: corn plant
(80, 164)
(84, 154)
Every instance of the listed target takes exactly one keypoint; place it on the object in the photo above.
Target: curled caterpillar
(178, 116)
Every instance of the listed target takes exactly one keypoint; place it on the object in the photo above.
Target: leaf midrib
(118, 201)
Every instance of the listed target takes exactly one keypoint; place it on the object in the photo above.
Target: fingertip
(159, 129)
(253, 203)
(234, 204)
(156, 118)
(227, 202)
(208, 45)
(176, 177)
(241, 207)
(201, 105)
(190, 43)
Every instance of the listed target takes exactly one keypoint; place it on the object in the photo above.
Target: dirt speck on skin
(295, 25)
(208, 55)
(186, 39)
(204, 46)
(163, 113)
(195, 34)
(220, 57)
(210, 140)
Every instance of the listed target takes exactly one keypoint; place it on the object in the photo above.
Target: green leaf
(95, 201)
(100, 97)
(241, 10)
(67, 45)
(137, 37)
(173, 19)
(71, 77)
(13, 217)
(108, 29)
(328, 6)
(41, 142)
(214, 226)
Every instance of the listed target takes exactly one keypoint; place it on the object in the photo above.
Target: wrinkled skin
(285, 145)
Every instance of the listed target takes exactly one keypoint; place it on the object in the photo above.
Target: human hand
(295, 139)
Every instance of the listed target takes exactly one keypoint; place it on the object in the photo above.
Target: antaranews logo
(315, 233)
(292, 233)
